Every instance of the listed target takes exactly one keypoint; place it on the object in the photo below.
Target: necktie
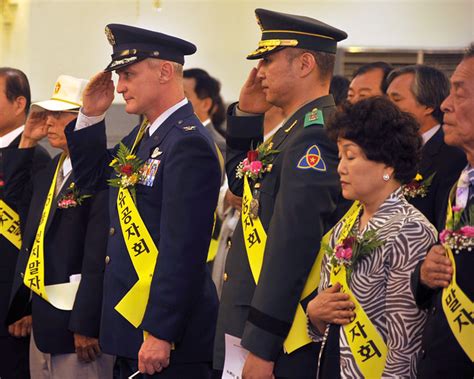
(463, 190)
(59, 181)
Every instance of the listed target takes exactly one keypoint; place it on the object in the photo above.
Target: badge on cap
(57, 87)
(189, 128)
(312, 160)
(156, 152)
(109, 35)
(315, 117)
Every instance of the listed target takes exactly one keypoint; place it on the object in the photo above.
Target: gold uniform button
(229, 243)
(226, 276)
(107, 260)
(111, 231)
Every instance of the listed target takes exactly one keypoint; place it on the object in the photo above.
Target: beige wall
(50, 37)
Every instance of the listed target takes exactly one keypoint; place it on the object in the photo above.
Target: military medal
(254, 204)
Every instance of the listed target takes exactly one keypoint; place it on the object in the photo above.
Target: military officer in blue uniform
(160, 305)
(296, 195)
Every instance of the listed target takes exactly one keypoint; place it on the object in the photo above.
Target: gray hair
(430, 86)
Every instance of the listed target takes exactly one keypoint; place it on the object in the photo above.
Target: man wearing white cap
(15, 98)
(63, 248)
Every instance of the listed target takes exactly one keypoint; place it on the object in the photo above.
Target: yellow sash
(143, 254)
(10, 225)
(140, 247)
(457, 307)
(366, 344)
(61, 295)
(255, 239)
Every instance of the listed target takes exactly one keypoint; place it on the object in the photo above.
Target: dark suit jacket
(447, 162)
(441, 355)
(297, 206)
(75, 243)
(217, 137)
(9, 253)
(178, 212)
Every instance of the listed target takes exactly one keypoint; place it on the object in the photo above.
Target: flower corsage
(352, 249)
(418, 186)
(71, 198)
(257, 162)
(458, 235)
(128, 169)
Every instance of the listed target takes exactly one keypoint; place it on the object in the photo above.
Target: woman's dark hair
(385, 134)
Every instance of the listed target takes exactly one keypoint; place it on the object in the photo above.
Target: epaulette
(314, 117)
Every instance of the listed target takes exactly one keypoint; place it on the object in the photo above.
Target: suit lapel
(145, 148)
(54, 205)
(431, 149)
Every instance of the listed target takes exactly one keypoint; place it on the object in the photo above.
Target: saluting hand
(35, 130)
(330, 307)
(252, 98)
(20, 328)
(154, 355)
(98, 95)
(436, 270)
(87, 348)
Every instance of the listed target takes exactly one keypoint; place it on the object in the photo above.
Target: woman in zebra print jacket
(379, 149)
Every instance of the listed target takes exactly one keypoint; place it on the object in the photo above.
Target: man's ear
(166, 72)
(307, 63)
(20, 105)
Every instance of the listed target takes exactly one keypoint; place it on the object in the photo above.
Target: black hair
(384, 133)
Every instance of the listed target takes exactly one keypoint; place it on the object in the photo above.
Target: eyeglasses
(58, 114)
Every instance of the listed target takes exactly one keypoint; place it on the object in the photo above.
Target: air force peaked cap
(280, 30)
(131, 45)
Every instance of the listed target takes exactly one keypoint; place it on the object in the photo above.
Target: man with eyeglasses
(63, 246)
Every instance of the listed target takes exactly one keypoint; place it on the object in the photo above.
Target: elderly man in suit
(15, 101)
(420, 90)
(442, 283)
(160, 305)
(63, 246)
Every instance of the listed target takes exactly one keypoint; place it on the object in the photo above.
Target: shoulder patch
(312, 160)
(315, 117)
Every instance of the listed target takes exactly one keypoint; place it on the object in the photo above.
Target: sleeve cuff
(84, 121)
(262, 343)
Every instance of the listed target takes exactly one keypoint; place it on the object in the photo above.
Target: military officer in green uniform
(291, 197)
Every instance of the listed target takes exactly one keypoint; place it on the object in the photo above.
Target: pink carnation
(467, 231)
(342, 253)
(255, 167)
(457, 208)
(444, 235)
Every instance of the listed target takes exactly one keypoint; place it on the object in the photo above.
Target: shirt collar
(430, 133)
(162, 118)
(8, 138)
(207, 122)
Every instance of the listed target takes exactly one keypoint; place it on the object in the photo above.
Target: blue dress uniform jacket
(441, 356)
(297, 206)
(74, 243)
(447, 163)
(177, 210)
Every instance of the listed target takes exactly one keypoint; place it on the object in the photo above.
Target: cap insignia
(57, 87)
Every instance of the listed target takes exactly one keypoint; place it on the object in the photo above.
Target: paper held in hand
(235, 356)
